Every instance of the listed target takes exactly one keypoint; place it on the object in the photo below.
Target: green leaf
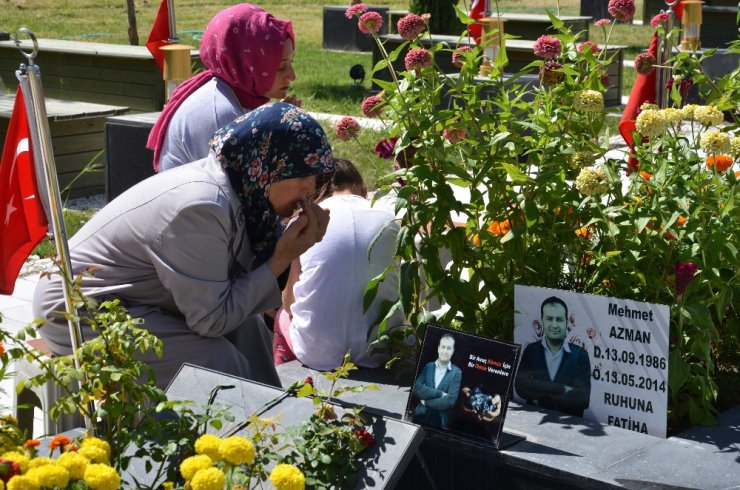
(531, 213)
(513, 172)
(678, 372)
(371, 291)
(556, 22)
(699, 315)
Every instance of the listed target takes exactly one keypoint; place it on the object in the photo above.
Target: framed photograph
(463, 384)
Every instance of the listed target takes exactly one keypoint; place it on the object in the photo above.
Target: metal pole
(173, 39)
(33, 96)
(665, 49)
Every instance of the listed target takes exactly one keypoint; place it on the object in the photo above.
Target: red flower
(2, 349)
(31, 443)
(604, 79)
(622, 10)
(683, 88)
(458, 56)
(370, 22)
(659, 19)
(347, 128)
(384, 148)
(365, 437)
(417, 59)
(411, 26)
(645, 63)
(589, 46)
(372, 106)
(355, 10)
(453, 135)
(547, 47)
(549, 74)
(308, 381)
(684, 275)
(60, 442)
(720, 162)
(8, 469)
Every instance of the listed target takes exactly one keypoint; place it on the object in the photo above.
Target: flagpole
(33, 95)
(173, 39)
(663, 54)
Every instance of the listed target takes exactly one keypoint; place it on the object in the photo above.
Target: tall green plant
(547, 208)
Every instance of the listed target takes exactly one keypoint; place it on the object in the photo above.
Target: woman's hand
(301, 234)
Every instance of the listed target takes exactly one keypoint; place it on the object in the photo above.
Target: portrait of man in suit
(437, 386)
(553, 373)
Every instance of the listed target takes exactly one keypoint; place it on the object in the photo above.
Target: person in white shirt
(322, 317)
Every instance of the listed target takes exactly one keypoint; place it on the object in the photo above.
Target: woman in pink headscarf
(248, 56)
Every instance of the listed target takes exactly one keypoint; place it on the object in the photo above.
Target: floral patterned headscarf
(272, 143)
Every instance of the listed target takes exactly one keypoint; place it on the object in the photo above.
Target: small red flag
(159, 35)
(22, 213)
(476, 12)
(644, 90)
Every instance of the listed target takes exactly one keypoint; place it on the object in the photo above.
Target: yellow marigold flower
(102, 477)
(708, 115)
(236, 450)
(94, 453)
(735, 146)
(50, 475)
(592, 181)
(75, 464)
(94, 441)
(588, 101)
(582, 159)
(287, 477)
(672, 115)
(584, 232)
(8, 419)
(714, 141)
(208, 479)
(39, 461)
(688, 111)
(208, 444)
(19, 458)
(23, 482)
(190, 466)
(650, 123)
(719, 162)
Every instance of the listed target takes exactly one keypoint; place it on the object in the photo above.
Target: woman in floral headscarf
(195, 251)
(248, 56)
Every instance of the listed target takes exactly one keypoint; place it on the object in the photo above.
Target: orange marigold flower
(500, 228)
(720, 162)
(645, 175)
(476, 240)
(737, 175)
(59, 441)
(31, 443)
(584, 232)
(681, 220)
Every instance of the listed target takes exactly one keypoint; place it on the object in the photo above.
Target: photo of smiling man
(437, 386)
(553, 373)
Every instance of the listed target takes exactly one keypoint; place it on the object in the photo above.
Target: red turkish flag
(160, 34)
(476, 12)
(22, 217)
(644, 90)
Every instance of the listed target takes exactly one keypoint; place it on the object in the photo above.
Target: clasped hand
(300, 235)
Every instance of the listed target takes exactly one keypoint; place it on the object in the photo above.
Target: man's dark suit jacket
(534, 385)
(437, 401)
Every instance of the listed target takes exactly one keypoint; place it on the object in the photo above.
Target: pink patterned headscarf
(243, 46)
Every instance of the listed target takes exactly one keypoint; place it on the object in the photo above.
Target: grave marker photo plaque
(463, 385)
(613, 364)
